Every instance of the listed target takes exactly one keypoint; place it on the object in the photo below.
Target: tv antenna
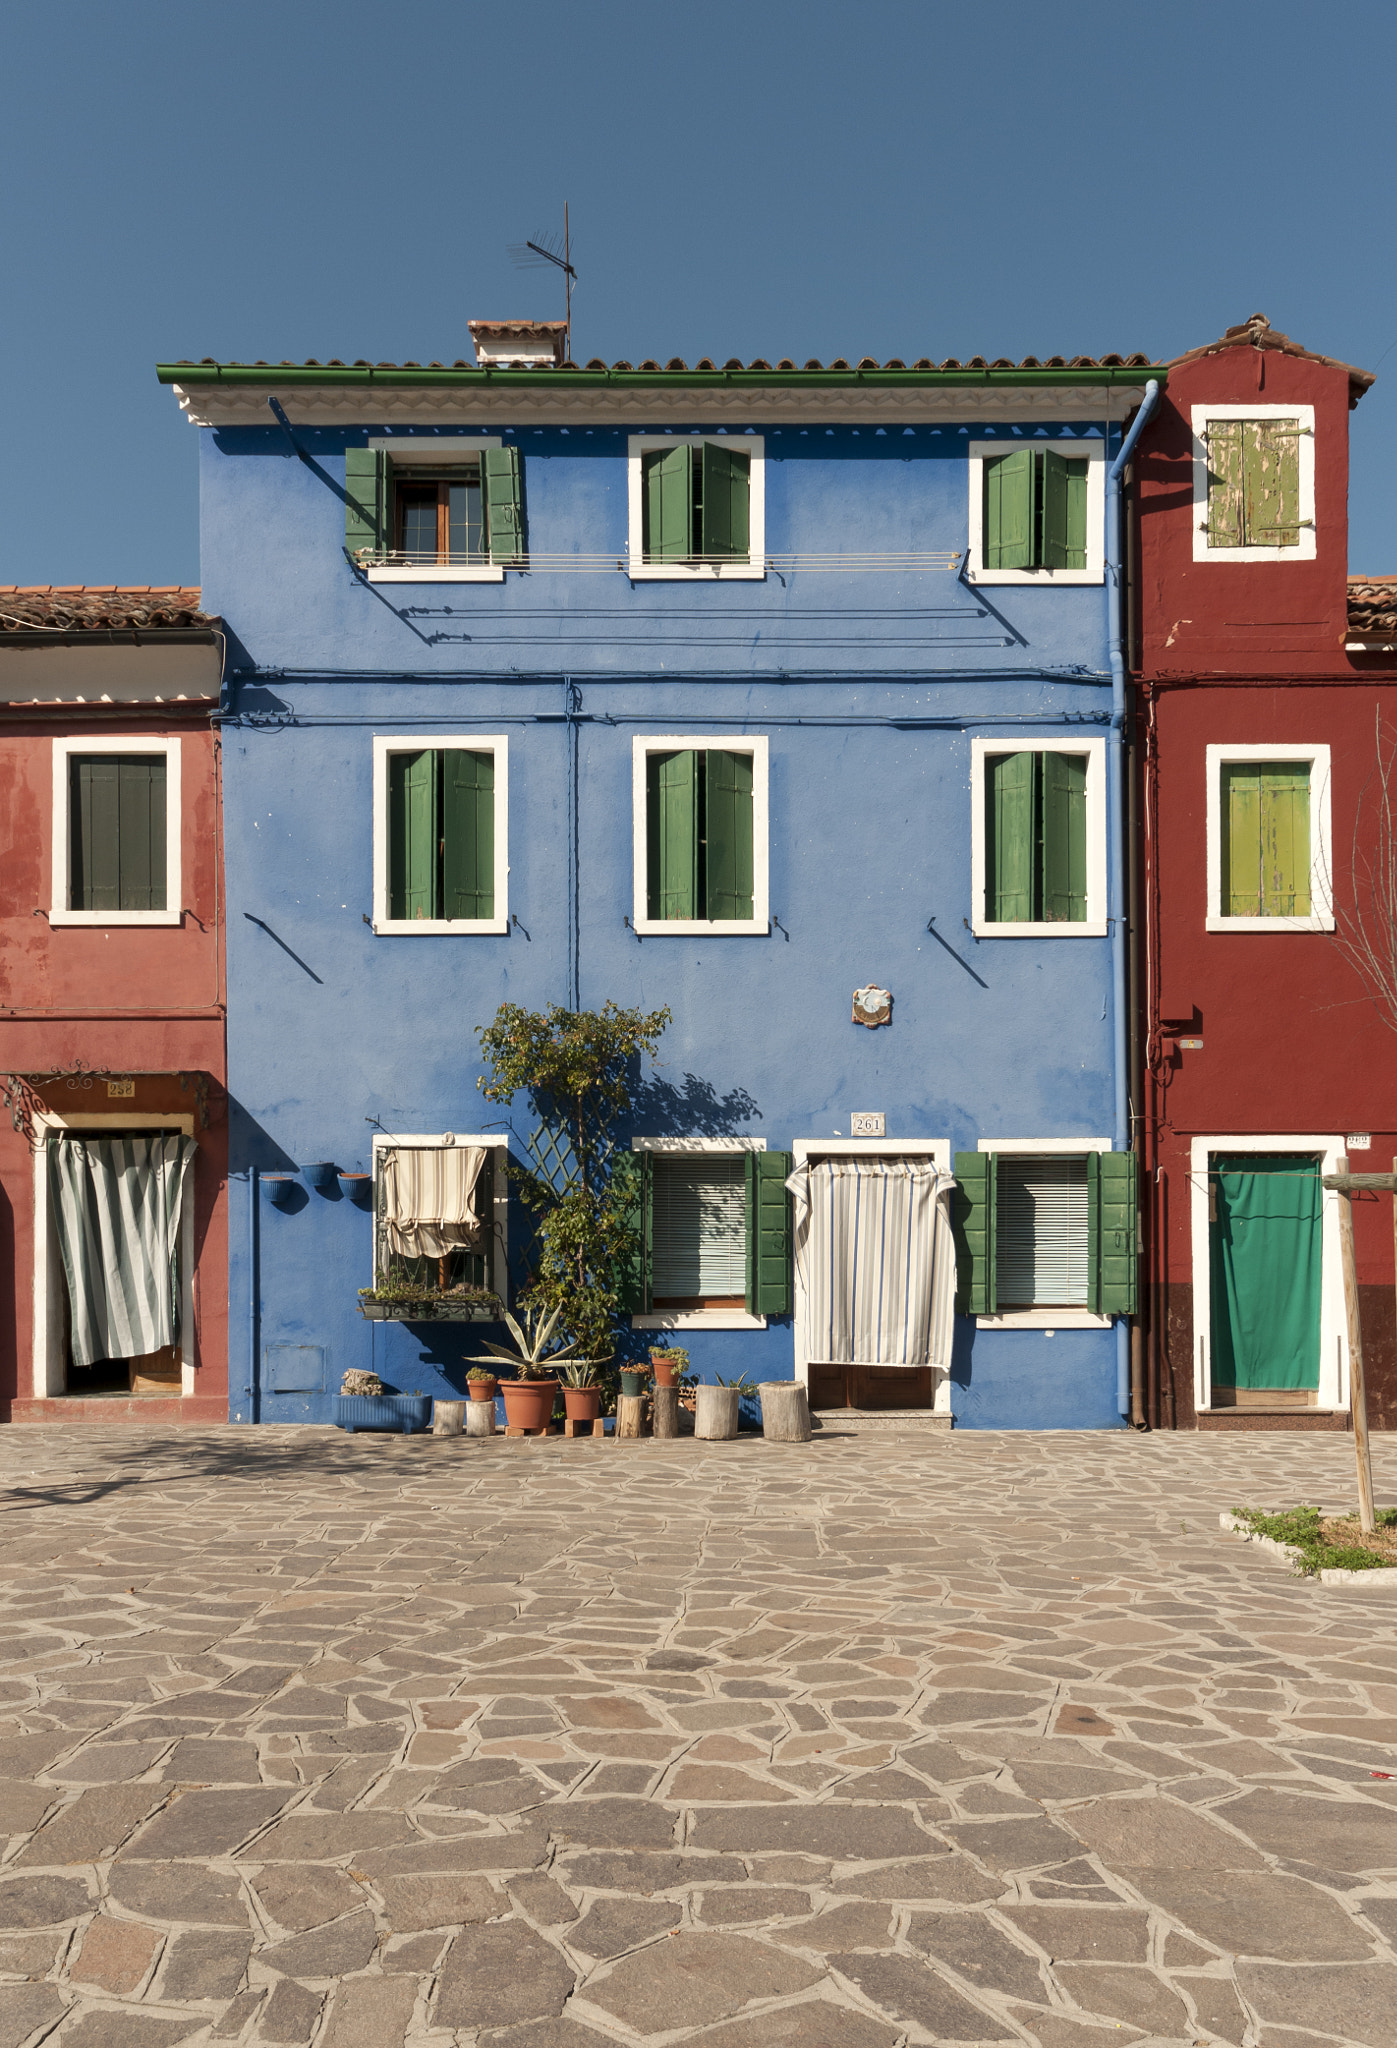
(543, 251)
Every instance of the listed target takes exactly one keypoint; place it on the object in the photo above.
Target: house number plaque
(867, 1123)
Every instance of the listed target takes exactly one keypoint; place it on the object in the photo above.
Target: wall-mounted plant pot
(357, 1187)
(322, 1175)
(280, 1189)
(405, 1413)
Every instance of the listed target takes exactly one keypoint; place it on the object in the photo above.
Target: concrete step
(121, 1410)
(1281, 1416)
(923, 1420)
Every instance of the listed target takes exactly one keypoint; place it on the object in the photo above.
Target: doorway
(1266, 1263)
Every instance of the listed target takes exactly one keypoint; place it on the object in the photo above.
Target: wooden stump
(785, 1412)
(480, 1418)
(630, 1415)
(716, 1414)
(448, 1418)
(666, 1410)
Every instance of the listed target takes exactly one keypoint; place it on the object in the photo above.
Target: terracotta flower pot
(583, 1404)
(665, 1375)
(528, 1404)
(482, 1390)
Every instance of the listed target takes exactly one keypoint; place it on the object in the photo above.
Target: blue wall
(869, 687)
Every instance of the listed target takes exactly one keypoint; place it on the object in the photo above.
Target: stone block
(25, 2008)
(1345, 1834)
(204, 1964)
(370, 2012)
(1143, 1832)
(205, 1824)
(110, 2027)
(1118, 1992)
(1217, 2005)
(719, 1783)
(978, 1951)
(615, 1925)
(649, 1871)
(23, 1806)
(179, 1891)
(1013, 1844)
(42, 1901)
(29, 1955)
(612, 1823)
(107, 1763)
(741, 1905)
(237, 2015)
(907, 1990)
(93, 1826)
(519, 1849)
(843, 1833)
(1084, 1934)
(301, 1896)
(946, 1876)
(116, 1955)
(290, 2015)
(497, 1975)
(205, 1760)
(693, 1979)
(442, 1899)
(815, 2023)
(542, 1899)
(332, 1951)
(955, 1709)
(1257, 1913)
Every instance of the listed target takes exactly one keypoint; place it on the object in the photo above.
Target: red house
(113, 1156)
(1265, 939)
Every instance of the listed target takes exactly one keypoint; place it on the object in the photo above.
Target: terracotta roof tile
(101, 607)
(785, 365)
(1259, 333)
(1372, 607)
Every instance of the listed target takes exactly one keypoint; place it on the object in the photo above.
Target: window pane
(418, 511)
(1041, 1231)
(463, 517)
(700, 1228)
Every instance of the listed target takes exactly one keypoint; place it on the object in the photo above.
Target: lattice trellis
(555, 1159)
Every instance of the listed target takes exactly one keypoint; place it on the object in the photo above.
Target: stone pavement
(882, 1739)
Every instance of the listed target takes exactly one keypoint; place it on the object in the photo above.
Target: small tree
(1365, 928)
(579, 1069)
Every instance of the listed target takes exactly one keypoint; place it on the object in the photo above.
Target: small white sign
(867, 1123)
(1359, 1141)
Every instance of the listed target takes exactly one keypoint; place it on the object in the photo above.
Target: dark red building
(1265, 938)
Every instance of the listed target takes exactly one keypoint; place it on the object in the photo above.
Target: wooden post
(448, 1418)
(785, 1412)
(715, 1415)
(1346, 1185)
(480, 1418)
(630, 1415)
(666, 1410)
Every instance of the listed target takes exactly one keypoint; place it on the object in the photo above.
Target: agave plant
(531, 1339)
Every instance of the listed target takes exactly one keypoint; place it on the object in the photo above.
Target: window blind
(700, 1227)
(1041, 1231)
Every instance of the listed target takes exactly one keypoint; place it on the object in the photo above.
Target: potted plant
(634, 1374)
(528, 1399)
(363, 1403)
(408, 1301)
(481, 1383)
(669, 1365)
(582, 1390)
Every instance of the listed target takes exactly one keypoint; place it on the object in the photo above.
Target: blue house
(791, 699)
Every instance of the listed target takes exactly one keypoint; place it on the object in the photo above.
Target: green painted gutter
(284, 375)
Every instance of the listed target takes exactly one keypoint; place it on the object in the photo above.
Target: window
(712, 1228)
(1038, 856)
(434, 510)
(434, 1247)
(697, 505)
(700, 834)
(1268, 838)
(441, 835)
(1036, 511)
(116, 830)
(1046, 1232)
(1253, 483)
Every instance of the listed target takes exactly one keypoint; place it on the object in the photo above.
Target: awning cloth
(875, 1260)
(429, 1198)
(117, 1205)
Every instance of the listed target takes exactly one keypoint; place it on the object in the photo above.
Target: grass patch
(1328, 1542)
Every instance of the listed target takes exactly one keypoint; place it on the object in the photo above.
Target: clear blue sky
(306, 179)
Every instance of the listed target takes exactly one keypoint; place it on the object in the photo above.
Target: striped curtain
(117, 1203)
(429, 1198)
(874, 1260)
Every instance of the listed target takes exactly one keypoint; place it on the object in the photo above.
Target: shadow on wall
(250, 1144)
(693, 1109)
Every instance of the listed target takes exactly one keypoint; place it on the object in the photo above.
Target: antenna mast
(531, 255)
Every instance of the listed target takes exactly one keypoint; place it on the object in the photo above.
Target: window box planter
(430, 1308)
(405, 1413)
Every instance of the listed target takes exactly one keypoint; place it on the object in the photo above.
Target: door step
(1281, 1416)
(924, 1421)
(119, 1410)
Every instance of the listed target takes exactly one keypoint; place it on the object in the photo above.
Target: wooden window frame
(1045, 1318)
(99, 745)
(465, 472)
(750, 570)
(1304, 549)
(1094, 925)
(1090, 448)
(438, 1141)
(1317, 756)
(698, 1318)
(431, 454)
(759, 923)
(385, 745)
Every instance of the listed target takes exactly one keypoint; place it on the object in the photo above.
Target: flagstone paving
(883, 1739)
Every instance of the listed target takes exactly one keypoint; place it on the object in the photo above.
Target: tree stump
(448, 1418)
(666, 1410)
(785, 1412)
(630, 1415)
(480, 1418)
(715, 1417)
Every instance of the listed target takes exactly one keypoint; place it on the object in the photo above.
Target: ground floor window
(711, 1231)
(1046, 1233)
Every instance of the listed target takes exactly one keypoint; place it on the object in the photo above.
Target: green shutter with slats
(368, 483)
(1266, 839)
(667, 504)
(502, 505)
(726, 486)
(1064, 814)
(1112, 1233)
(1225, 493)
(117, 832)
(467, 833)
(1010, 838)
(728, 834)
(973, 1219)
(672, 834)
(1064, 489)
(631, 1183)
(414, 832)
(1008, 535)
(769, 1234)
(1271, 482)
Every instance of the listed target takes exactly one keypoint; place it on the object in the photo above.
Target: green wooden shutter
(141, 837)
(1266, 839)
(414, 832)
(368, 484)
(1064, 810)
(1064, 511)
(1113, 1232)
(667, 504)
(631, 1185)
(116, 825)
(1008, 533)
(671, 826)
(726, 482)
(502, 505)
(1010, 838)
(1241, 841)
(467, 834)
(1271, 482)
(728, 831)
(769, 1234)
(1225, 496)
(973, 1218)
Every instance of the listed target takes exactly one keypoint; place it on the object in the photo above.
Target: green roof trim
(282, 375)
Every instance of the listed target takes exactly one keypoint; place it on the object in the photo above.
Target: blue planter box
(406, 1413)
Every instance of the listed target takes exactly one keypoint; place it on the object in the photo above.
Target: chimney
(525, 344)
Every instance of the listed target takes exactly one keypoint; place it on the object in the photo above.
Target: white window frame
(440, 1141)
(495, 743)
(1333, 1389)
(1094, 925)
(1321, 917)
(1304, 549)
(1045, 1318)
(759, 923)
(698, 1318)
(441, 453)
(100, 744)
(1094, 452)
(753, 569)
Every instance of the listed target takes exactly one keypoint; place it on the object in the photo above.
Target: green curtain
(1265, 1257)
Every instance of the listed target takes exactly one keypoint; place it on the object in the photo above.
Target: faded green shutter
(728, 831)
(1064, 511)
(501, 505)
(1010, 838)
(1271, 482)
(413, 834)
(769, 1235)
(1224, 445)
(1009, 511)
(667, 504)
(1241, 842)
(467, 834)
(631, 1187)
(726, 481)
(973, 1216)
(1266, 839)
(116, 806)
(368, 480)
(1064, 838)
(1113, 1231)
(671, 826)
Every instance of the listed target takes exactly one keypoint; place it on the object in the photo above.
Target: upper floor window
(700, 834)
(434, 510)
(697, 505)
(1253, 483)
(1038, 820)
(441, 835)
(1268, 838)
(116, 851)
(1036, 512)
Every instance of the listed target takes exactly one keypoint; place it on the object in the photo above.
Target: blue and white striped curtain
(875, 1260)
(117, 1202)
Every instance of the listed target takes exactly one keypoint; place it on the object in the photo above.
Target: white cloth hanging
(429, 1198)
(875, 1260)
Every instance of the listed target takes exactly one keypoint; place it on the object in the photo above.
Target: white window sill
(1270, 924)
(97, 918)
(1303, 552)
(1089, 928)
(1044, 1319)
(698, 1319)
(438, 927)
(424, 573)
(1044, 576)
(700, 928)
(697, 572)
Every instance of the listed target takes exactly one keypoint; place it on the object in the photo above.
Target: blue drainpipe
(1115, 631)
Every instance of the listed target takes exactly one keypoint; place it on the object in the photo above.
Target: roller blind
(1042, 1232)
(699, 1227)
